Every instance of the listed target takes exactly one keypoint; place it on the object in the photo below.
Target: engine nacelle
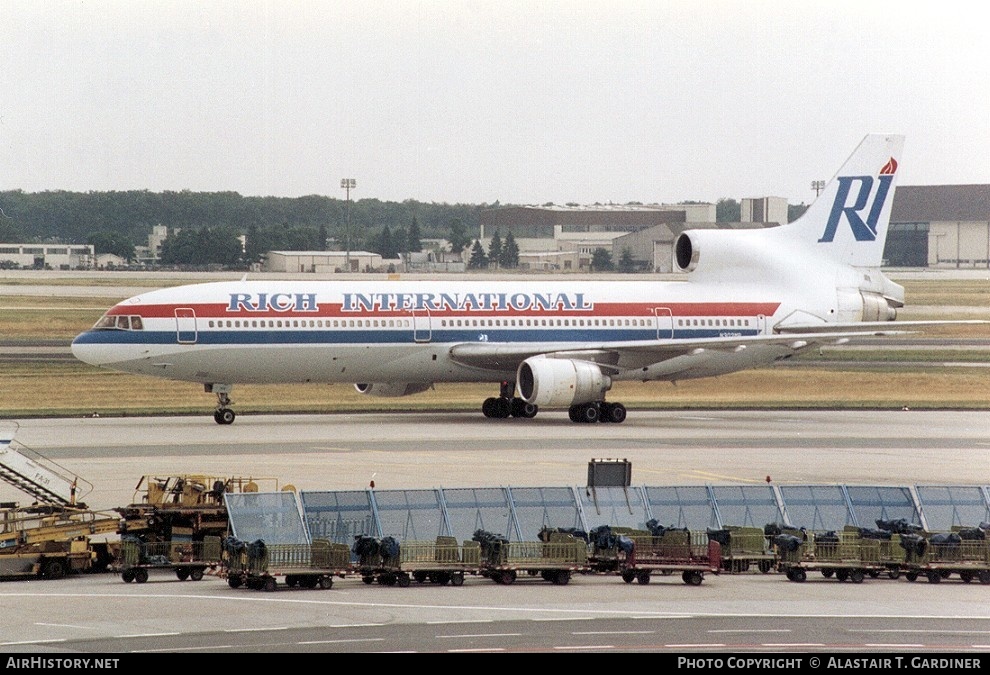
(545, 381)
(856, 305)
(392, 389)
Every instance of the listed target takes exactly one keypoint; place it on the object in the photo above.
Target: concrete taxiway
(748, 612)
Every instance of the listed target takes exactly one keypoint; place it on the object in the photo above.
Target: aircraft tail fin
(848, 222)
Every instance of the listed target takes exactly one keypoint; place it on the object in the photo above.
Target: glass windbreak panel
(473, 509)
(682, 506)
(613, 506)
(410, 515)
(816, 508)
(272, 517)
(873, 503)
(948, 506)
(747, 505)
(547, 507)
(339, 516)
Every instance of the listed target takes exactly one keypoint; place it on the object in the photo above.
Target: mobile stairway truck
(57, 534)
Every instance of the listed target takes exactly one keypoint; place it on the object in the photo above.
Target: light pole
(348, 184)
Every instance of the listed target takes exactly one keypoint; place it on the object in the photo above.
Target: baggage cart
(637, 555)
(442, 561)
(258, 566)
(845, 555)
(744, 548)
(187, 559)
(555, 560)
(939, 556)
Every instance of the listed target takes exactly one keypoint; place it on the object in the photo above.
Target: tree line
(205, 228)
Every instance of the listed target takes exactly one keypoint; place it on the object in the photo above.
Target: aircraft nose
(84, 349)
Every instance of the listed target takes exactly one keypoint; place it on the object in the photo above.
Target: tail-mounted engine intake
(392, 389)
(546, 381)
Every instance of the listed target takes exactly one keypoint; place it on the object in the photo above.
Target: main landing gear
(223, 414)
(506, 405)
(597, 411)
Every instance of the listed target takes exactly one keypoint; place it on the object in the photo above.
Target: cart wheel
(692, 577)
(562, 577)
(403, 580)
(945, 574)
(368, 580)
(182, 573)
(53, 569)
(799, 575)
(234, 582)
(269, 585)
(140, 575)
(291, 580)
(874, 574)
(196, 574)
(984, 576)
(967, 577)
(911, 576)
(457, 579)
(827, 573)
(420, 577)
(893, 574)
(326, 583)
(127, 576)
(842, 574)
(766, 566)
(643, 577)
(628, 576)
(934, 577)
(507, 577)
(856, 576)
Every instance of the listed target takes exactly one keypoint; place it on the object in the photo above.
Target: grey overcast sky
(459, 101)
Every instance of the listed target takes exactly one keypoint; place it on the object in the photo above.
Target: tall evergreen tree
(495, 250)
(509, 259)
(415, 244)
(478, 260)
(458, 236)
(601, 260)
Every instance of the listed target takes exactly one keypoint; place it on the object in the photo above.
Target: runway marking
(754, 630)
(335, 642)
(477, 635)
(564, 648)
(254, 630)
(62, 625)
(615, 632)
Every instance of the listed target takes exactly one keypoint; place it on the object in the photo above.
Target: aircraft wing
(616, 356)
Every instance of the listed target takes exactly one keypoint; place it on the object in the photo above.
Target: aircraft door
(422, 328)
(665, 323)
(761, 324)
(185, 326)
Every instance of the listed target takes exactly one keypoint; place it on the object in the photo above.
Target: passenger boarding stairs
(37, 476)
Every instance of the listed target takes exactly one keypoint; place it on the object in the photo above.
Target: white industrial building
(49, 256)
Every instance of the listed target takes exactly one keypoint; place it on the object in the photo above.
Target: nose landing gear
(223, 414)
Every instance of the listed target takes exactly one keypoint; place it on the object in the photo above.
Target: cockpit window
(119, 322)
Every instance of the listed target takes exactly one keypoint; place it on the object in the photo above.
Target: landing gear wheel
(224, 416)
(585, 412)
(496, 408)
(520, 408)
(611, 412)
